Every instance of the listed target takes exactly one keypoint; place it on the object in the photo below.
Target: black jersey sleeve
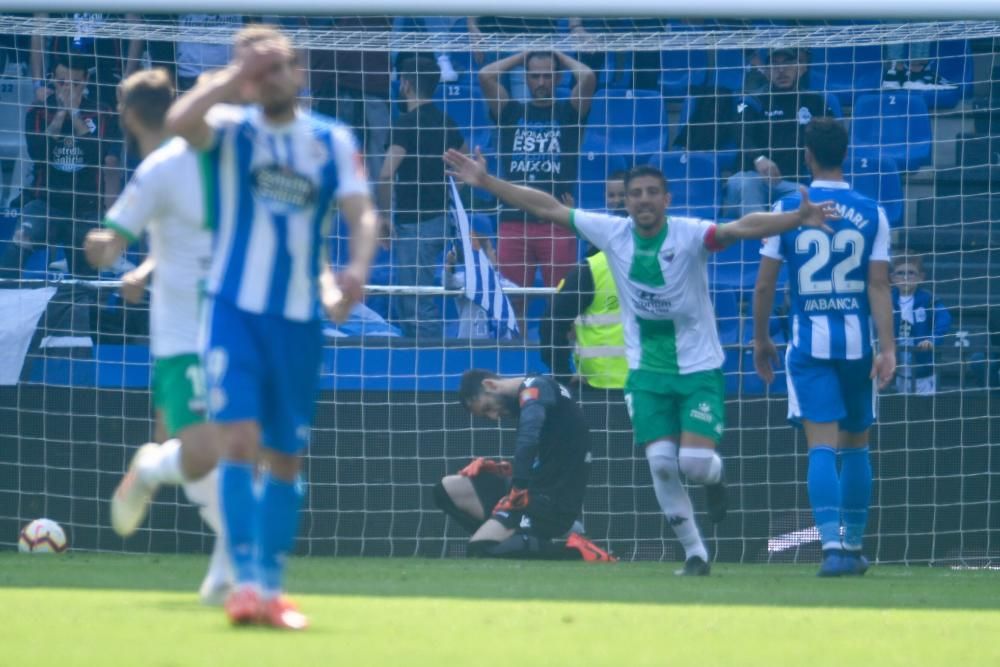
(536, 396)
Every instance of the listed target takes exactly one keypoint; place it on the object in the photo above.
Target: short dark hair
(422, 73)
(617, 175)
(541, 54)
(472, 384)
(75, 62)
(826, 139)
(641, 170)
(148, 94)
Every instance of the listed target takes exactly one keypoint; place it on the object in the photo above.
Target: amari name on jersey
(828, 273)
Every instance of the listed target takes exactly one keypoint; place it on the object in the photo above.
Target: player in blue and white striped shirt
(273, 173)
(839, 283)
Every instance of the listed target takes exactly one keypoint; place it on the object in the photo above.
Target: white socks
(701, 466)
(205, 494)
(165, 466)
(673, 498)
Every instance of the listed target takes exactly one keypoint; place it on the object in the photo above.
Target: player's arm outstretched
(534, 202)
(763, 225)
(880, 301)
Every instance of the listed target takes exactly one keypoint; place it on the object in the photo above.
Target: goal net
(566, 105)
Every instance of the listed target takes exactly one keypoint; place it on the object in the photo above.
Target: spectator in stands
(112, 58)
(414, 172)
(769, 135)
(473, 321)
(504, 25)
(194, 58)
(921, 321)
(432, 25)
(917, 73)
(614, 194)
(539, 147)
(354, 86)
(66, 140)
(584, 314)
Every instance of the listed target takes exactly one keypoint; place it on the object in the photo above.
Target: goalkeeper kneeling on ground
(528, 508)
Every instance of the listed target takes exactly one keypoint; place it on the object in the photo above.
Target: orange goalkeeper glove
(515, 501)
(481, 465)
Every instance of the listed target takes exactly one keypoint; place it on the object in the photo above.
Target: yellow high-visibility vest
(600, 337)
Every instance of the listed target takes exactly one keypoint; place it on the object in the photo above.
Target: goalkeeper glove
(481, 465)
(516, 500)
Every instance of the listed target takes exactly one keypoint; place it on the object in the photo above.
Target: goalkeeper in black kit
(527, 508)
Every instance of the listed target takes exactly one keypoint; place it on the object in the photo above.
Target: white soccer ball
(42, 536)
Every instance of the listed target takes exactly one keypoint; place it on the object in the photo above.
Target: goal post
(668, 93)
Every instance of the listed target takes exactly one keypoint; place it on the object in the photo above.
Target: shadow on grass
(885, 587)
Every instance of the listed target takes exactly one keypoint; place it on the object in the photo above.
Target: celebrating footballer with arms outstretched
(674, 392)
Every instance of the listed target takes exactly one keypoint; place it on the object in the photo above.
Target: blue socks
(260, 531)
(278, 523)
(824, 494)
(856, 494)
(239, 516)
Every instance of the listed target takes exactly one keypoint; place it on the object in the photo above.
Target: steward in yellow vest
(587, 305)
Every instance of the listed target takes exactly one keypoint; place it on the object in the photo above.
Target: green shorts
(179, 391)
(662, 405)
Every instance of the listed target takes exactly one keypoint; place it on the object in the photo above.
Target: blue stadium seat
(896, 125)
(727, 314)
(725, 157)
(629, 122)
(834, 103)
(681, 70)
(848, 71)
(467, 108)
(730, 69)
(594, 171)
(693, 182)
(877, 177)
(735, 268)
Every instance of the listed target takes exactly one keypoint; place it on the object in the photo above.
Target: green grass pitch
(108, 610)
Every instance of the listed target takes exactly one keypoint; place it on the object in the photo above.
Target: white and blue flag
(482, 280)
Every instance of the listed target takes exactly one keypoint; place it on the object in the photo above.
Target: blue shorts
(830, 390)
(265, 369)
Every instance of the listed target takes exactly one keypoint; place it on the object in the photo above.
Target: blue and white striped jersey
(269, 193)
(828, 273)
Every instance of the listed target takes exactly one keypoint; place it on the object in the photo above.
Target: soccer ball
(42, 536)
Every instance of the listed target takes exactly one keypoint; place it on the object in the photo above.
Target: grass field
(110, 610)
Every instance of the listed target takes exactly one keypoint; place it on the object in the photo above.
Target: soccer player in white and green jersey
(674, 391)
(164, 199)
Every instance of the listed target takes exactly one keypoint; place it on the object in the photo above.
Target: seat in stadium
(682, 69)
(16, 97)
(594, 170)
(727, 314)
(877, 177)
(626, 122)
(847, 71)
(693, 182)
(735, 267)
(730, 69)
(466, 106)
(895, 124)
